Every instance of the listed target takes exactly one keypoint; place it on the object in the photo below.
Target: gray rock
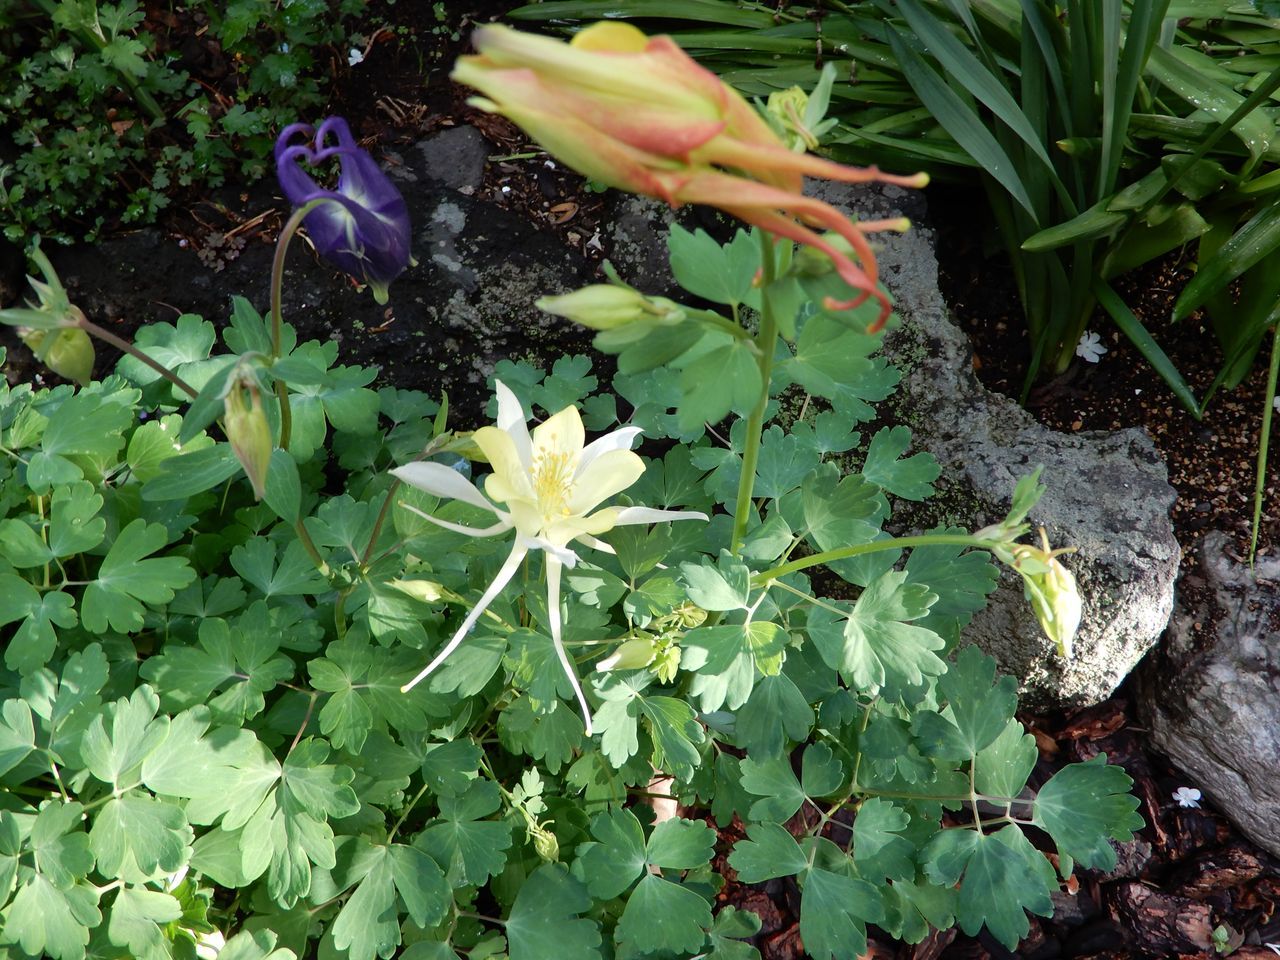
(1108, 493)
(1212, 697)
(455, 158)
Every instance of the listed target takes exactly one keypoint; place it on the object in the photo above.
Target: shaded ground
(1188, 871)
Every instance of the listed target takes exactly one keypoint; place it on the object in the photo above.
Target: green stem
(277, 317)
(309, 545)
(766, 341)
(892, 543)
(91, 328)
(377, 524)
(1264, 439)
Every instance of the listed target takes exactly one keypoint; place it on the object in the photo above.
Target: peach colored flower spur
(636, 113)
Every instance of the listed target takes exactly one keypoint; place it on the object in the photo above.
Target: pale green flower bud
(787, 108)
(68, 352)
(248, 431)
(604, 306)
(545, 844)
(631, 655)
(1052, 590)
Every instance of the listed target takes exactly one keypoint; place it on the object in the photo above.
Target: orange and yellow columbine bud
(248, 431)
(636, 113)
(1052, 590)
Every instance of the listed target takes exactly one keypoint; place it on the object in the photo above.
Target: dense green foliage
(201, 721)
(104, 124)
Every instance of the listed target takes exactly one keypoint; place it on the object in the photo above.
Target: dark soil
(1188, 871)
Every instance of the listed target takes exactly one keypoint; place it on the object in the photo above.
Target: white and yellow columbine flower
(549, 483)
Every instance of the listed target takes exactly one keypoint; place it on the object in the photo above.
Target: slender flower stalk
(550, 482)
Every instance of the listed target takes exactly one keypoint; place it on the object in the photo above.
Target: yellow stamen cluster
(552, 477)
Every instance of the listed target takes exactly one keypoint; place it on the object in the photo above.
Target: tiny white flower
(1187, 796)
(354, 57)
(1273, 947)
(550, 483)
(1090, 348)
(1275, 402)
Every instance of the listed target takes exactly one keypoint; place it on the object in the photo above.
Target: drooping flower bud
(245, 423)
(786, 109)
(364, 229)
(604, 306)
(1052, 590)
(67, 352)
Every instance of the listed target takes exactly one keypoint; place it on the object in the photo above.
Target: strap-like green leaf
(1132, 328)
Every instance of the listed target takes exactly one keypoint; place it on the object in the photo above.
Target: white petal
(596, 544)
(618, 440)
(553, 615)
(504, 576)
(441, 481)
(629, 515)
(562, 554)
(511, 421)
(501, 526)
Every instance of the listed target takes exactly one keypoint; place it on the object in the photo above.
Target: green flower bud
(248, 431)
(68, 352)
(786, 108)
(604, 306)
(631, 655)
(545, 844)
(1052, 591)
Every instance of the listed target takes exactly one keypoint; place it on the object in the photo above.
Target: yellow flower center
(552, 477)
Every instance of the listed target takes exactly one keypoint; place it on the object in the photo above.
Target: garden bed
(1204, 874)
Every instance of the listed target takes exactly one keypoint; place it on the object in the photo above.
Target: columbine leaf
(139, 838)
(776, 783)
(834, 911)
(17, 740)
(137, 920)
(879, 850)
(35, 640)
(721, 274)
(1001, 768)
(471, 849)
(662, 915)
(544, 919)
(47, 920)
(875, 646)
(121, 737)
(1000, 875)
(725, 588)
(961, 580)
(723, 378)
(368, 925)
(776, 712)
(1082, 805)
(126, 581)
(231, 669)
(610, 865)
(768, 852)
(74, 524)
(912, 478)
(676, 732)
(680, 844)
(727, 658)
(978, 712)
(86, 429)
(731, 927)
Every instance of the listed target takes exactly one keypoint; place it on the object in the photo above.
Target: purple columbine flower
(365, 230)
